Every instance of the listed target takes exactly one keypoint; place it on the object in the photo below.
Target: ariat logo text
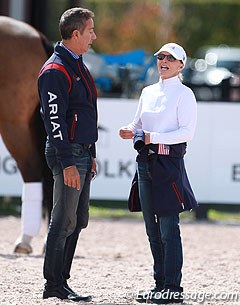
(54, 116)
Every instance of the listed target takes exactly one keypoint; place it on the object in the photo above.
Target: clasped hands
(126, 133)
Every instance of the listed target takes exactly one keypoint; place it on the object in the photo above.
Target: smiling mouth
(164, 68)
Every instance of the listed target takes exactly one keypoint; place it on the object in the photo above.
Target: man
(68, 106)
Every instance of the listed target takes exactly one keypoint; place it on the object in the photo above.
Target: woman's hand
(147, 137)
(125, 133)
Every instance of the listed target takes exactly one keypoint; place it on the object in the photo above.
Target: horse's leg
(22, 143)
(19, 113)
(39, 134)
(43, 191)
(31, 212)
(47, 178)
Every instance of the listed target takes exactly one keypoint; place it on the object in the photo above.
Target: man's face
(86, 38)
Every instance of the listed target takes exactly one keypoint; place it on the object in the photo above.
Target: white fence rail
(212, 161)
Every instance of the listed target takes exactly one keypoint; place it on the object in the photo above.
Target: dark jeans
(163, 234)
(70, 214)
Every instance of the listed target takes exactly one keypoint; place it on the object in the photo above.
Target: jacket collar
(67, 57)
(74, 55)
(169, 81)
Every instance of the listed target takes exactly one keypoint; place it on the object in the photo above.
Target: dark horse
(22, 54)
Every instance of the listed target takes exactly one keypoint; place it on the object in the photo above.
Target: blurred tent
(135, 57)
(121, 74)
(94, 62)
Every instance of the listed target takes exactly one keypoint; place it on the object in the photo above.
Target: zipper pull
(75, 116)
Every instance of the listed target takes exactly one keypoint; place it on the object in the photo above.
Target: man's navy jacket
(68, 100)
(171, 190)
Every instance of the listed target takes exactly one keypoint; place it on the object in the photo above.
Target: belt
(151, 154)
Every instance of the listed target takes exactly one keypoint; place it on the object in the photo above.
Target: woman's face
(168, 66)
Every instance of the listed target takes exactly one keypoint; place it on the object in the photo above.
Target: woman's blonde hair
(180, 76)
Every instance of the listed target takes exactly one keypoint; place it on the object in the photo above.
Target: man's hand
(71, 177)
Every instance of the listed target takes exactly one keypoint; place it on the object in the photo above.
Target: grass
(215, 215)
(98, 212)
(10, 206)
(98, 208)
(111, 209)
(118, 210)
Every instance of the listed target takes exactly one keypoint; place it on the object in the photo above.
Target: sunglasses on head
(169, 57)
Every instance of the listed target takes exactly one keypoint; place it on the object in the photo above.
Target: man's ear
(75, 33)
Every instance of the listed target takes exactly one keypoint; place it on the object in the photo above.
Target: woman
(166, 119)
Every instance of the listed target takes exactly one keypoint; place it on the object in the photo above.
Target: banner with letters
(212, 160)
(10, 177)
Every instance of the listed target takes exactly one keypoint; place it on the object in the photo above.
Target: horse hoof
(23, 248)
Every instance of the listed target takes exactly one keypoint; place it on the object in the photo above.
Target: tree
(208, 24)
(129, 25)
(123, 25)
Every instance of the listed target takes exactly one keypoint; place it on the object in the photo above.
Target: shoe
(84, 297)
(64, 294)
(65, 285)
(144, 296)
(167, 296)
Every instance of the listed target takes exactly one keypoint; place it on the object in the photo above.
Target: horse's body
(22, 55)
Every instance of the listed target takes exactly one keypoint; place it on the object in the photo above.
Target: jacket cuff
(67, 162)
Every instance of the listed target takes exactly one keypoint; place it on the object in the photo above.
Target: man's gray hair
(72, 19)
